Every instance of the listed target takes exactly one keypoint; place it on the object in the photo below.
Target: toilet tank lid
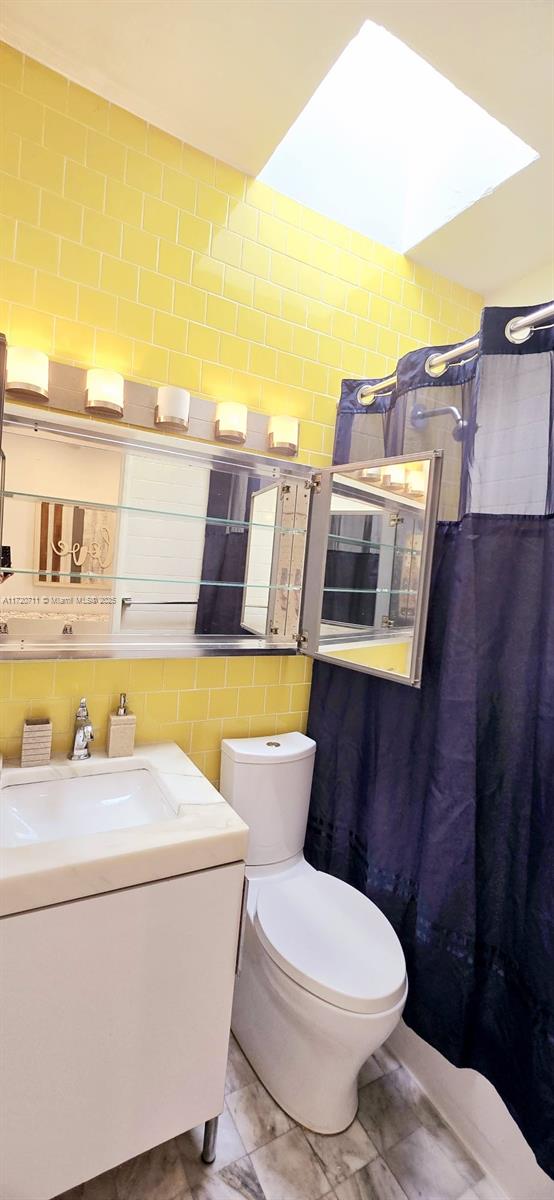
(282, 748)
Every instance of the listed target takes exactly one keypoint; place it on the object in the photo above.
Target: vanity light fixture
(27, 373)
(172, 408)
(104, 392)
(230, 422)
(282, 435)
(416, 482)
(394, 477)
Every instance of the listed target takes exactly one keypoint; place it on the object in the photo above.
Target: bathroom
(276, 660)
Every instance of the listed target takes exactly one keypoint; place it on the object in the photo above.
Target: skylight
(391, 148)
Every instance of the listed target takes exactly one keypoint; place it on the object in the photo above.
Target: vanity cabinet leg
(210, 1138)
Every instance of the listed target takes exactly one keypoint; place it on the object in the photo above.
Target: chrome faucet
(82, 734)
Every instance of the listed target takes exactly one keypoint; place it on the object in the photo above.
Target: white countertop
(205, 832)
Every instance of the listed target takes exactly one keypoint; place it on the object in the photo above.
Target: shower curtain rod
(517, 330)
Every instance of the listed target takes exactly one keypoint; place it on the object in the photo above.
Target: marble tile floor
(397, 1148)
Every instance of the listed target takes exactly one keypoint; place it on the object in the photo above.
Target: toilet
(322, 976)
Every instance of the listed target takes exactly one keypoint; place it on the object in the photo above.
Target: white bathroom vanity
(120, 907)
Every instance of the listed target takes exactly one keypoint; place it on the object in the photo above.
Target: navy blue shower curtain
(438, 804)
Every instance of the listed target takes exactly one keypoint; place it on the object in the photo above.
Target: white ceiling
(230, 76)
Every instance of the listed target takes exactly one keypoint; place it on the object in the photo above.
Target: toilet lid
(333, 941)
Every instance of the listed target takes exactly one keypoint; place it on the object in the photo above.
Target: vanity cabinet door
(115, 1015)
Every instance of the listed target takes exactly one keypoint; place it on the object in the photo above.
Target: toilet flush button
(273, 743)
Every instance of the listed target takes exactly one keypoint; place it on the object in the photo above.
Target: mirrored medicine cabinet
(121, 542)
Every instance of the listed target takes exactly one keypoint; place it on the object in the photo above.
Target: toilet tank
(267, 780)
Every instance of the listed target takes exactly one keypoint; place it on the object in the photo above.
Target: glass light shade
(230, 422)
(27, 373)
(416, 482)
(172, 408)
(104, 392)
(282, 434)
(394, 477)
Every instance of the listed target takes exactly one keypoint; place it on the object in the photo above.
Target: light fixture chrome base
(177, 423)
(229, 435)
(105, 408)
(22, 391)
(287, 448)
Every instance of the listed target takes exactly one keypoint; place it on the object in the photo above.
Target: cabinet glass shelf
(147, 512)
(386, 591)
(85, 577)
(379, 547)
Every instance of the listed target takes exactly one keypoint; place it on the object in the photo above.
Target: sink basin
(66, 808)
(75, 829)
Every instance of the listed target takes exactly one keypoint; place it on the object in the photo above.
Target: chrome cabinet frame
(316, 557)
(303, 492)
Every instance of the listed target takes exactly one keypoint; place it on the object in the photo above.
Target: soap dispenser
(121, 730)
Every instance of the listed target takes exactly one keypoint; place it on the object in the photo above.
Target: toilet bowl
(322, 981)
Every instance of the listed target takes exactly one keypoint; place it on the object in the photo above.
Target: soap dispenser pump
(121, 730)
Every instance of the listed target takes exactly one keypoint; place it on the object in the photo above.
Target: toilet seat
(331, 940)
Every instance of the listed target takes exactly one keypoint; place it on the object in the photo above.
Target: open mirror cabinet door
(127, 543)
(368, 565)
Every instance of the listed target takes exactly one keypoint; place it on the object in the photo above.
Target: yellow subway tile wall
(122, 247)
(195, 703)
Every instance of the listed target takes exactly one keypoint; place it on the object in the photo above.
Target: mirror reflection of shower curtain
(224, 560)
(352, 566)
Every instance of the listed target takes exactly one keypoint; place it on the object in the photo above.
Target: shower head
(459, 430)
(420, 414)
